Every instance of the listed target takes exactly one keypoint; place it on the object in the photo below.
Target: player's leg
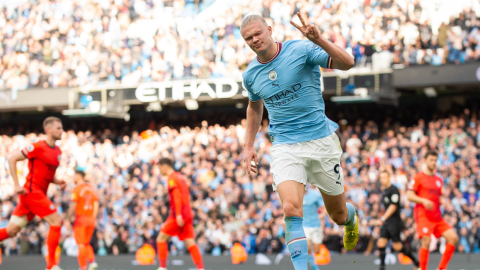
(39, 204)
(53, 238)
(169, 229)
(326, 174)
(311, 259)
(291, 195)
(81, 239)
(187, 234)
(381, 245)
(424, 252)
(20, 218)
(452, 241)
(89, 249)
(394, 231)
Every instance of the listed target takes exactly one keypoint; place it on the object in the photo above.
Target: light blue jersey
(312, 200)
(289, 86)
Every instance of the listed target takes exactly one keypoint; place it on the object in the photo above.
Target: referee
(392, 224)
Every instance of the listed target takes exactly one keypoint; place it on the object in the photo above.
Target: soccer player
(391, 221)
(286, 78)
(43, 160)
(180, 221)
(425, 190)
(85, 208)
(312, 200)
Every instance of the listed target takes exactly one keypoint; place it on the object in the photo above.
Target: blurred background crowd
(229, 205)
(50, 43)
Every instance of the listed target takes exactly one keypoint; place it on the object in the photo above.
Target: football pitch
(339, 262)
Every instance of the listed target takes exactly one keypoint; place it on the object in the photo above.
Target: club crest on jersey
(386, 200)
(30, 148)
(272, 75)
(438, 183)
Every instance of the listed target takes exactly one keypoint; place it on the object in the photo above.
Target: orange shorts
(171, 228)
(425, 227)
(34, 203)
(83, 234)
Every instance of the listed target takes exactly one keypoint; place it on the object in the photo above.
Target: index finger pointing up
(301, 19)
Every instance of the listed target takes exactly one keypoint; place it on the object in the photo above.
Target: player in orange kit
(43, 160)
(425, 189)
(180, 221)
(85, 207)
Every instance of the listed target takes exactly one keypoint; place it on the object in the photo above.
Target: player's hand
(250, 158)
(428, 204)
(19, 190)
(180, 221)
(310, 31)
(61, 183)
(379, 222)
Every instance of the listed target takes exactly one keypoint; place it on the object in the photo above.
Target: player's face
(431, 162)
(77, 178)
(258, 36)
(55, 129)
(163, 169)
(384, 179)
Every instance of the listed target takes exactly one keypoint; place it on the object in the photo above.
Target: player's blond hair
(250, 18)
(50, 120)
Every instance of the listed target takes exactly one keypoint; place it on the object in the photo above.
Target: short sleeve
(414, 185)
(318, 56)
(32, 151)
(253, 97)
(74, 195)
(395, 197)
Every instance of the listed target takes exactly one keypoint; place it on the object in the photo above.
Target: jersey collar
(279, 49)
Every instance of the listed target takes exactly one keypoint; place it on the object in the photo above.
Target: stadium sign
(193, 89)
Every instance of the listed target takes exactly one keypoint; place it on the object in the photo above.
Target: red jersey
(85, 196)
(179, 196)
(430, 188)
(43, 161)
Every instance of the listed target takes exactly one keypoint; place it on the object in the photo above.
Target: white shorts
(314, 234)
(316, 162)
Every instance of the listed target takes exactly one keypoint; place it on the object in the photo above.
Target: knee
(453, 240)
(13, 231)
(292, 210)
(426, 242)
(340, 216)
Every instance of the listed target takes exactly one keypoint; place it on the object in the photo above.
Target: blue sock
(311, 262)
(351, 222)
(296, 242)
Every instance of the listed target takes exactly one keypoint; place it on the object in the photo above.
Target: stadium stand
(77, 43)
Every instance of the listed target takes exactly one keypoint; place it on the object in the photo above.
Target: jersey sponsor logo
(395, 198)
(284, 97)
(30, 148)
(272, 75)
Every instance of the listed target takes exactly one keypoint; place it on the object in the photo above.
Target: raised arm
(340, 58)
(254, 118)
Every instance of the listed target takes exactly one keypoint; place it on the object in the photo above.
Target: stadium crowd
(230, 206)
(49, 43)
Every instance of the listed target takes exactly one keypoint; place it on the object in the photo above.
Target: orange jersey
(85, 196)
(180, 196)
(430, 188)
(43, 161)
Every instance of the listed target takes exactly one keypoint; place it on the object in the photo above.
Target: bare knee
(453, 239)
(340, 216)
(292, 210)
(426, 242)
(13, 230)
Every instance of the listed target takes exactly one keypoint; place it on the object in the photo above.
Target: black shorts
(392, 230)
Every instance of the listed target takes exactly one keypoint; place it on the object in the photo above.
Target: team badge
(425, 230)
(30, 148)
(272, 75)
(386, 200)
(52, 207)
(171, 182)
(271, 138)
(438, 183)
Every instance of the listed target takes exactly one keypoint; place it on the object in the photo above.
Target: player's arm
(390, 210)
(71, 210)
(340, 58)
(254, 118)
(59, 182)
(12, 163)
(177, 201)
(95, 208)
(413, 197)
